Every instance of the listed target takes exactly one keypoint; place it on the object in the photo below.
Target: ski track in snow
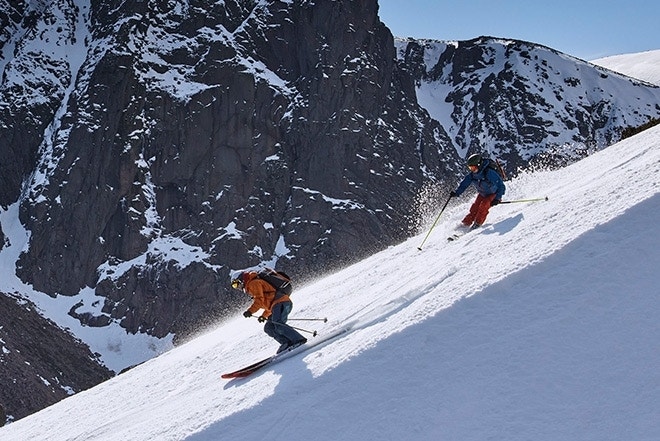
(541, 325)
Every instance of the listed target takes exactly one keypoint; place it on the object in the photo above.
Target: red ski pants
(479, 210)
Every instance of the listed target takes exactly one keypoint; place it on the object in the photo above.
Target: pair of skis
(460, 232)
(268, 361)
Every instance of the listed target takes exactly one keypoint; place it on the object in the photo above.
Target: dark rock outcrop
(40, 364)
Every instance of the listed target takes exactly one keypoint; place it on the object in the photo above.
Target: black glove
(262, 319)
(247, 314)
(452, 194)
(495, 202)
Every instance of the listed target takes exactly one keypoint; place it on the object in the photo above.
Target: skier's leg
(272, 329)
(467, 220)
(269, 328)
(484, 207)
(279, 317)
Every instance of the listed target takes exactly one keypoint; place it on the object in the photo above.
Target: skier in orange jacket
(276, 309)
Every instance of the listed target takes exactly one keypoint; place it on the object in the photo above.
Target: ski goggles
(236, 284)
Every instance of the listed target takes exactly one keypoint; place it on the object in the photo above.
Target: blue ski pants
(276, 325)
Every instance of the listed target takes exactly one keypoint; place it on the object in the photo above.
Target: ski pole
(435, 222)
(314, 333)
(324, 320)
(524, 200)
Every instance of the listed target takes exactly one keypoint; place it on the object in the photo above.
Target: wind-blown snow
(543, 325)
(642, 65)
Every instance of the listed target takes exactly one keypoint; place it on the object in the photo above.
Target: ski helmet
(474, 160)
(237, 281)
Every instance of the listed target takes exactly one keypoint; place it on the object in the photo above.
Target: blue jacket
(487, 181)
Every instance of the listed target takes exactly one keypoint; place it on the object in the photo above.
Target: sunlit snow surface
(642, 65)
(543, 325)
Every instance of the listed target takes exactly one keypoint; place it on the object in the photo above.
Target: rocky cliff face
(153, 147)
(39, 363)
(165, 144)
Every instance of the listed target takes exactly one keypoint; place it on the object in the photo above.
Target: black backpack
(278, 280)
(495, 165)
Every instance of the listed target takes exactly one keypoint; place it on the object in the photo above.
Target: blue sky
(587, 29)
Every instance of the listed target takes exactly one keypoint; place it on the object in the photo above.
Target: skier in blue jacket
(490, 187)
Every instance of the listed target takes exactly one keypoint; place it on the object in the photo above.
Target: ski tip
(234, 375)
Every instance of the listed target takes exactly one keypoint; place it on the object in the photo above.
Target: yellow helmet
(237, 282)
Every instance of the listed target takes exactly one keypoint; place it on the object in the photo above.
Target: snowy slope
(642, 65)
(543, 325)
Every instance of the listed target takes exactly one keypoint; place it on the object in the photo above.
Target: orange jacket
(262, 293)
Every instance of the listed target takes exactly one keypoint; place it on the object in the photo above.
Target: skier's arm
(500, 184)
(467, 180)
(257, 293)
